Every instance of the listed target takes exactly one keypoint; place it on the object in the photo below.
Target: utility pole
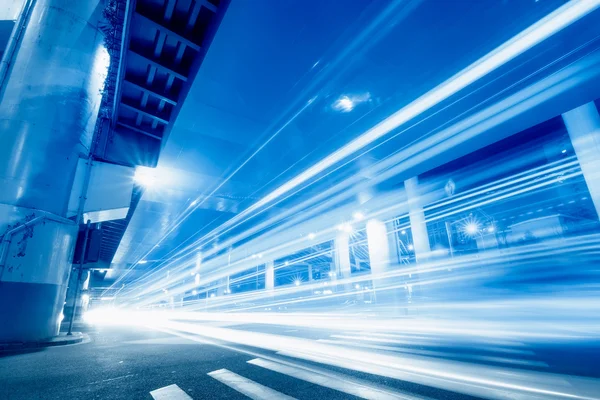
(79, 272)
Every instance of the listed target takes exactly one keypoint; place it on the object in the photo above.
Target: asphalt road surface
(140, 363)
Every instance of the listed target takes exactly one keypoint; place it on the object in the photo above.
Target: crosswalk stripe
(171, 392)
(344, 384)
(247, 387)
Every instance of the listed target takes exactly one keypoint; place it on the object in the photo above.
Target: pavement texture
(130, 363)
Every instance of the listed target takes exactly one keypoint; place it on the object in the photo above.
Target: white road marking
(171, 392)
(341, 383)
(247, 387)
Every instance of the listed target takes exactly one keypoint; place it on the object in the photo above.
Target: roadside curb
(60, 340)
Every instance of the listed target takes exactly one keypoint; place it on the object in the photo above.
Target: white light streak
(538, 32)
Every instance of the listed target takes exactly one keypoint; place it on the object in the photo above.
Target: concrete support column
(343, 269)
(270, 276)
(310, 273)
(49, 102)
(417, 219)
(342, 255)
(583, 125)
(381, 246)
(383, 255)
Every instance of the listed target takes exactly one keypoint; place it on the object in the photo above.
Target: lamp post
(80, 270)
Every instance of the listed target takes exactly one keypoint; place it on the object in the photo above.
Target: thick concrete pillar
(383, 255)
(269, 275)
(342, 255)
(382, 248)
(583, 125)
(48, 107)
(417, 219)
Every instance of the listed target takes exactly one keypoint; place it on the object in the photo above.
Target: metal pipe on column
(79, 271)
(13, 42)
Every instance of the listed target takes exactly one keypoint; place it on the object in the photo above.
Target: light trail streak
(495, 304)
(359, 44)
(338, 188)
(457, 376)
(538, 32)
(499, 113)
(378, 339)
(549, 175)
(576, 247)
(497, 263)
(528, 38)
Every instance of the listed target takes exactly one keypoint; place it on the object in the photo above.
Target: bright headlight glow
(145, 176)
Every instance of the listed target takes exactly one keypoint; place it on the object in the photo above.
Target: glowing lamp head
(345, 227)
(358, 216)
(344, 104)
(471, 228)
(145, 176)
(297, 282)
(311, 236)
